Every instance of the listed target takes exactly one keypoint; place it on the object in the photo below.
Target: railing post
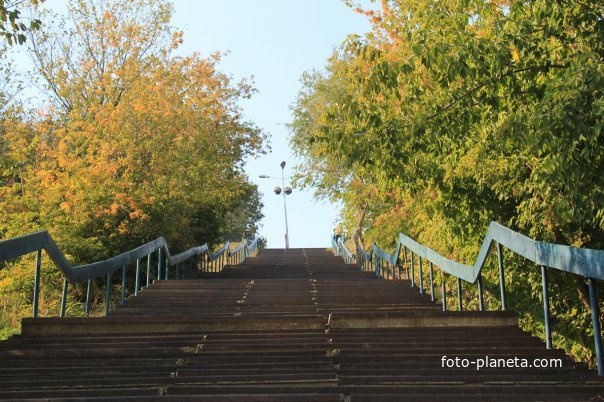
(148, 270)
(595, 317)
(63, 298)
(37, 283)
(88, 294)
(459, 303)
(501, 277)
(421, 276)
(404, 254)
(108, 295)
(159, 264)
(398, 271)
(444, 292)
(375, 265)
(123, 284)
(167, 268)
(480, 298)
(412, 270)
(432, 282)
(548, 332)
(138, 277)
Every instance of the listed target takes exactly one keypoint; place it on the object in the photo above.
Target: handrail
(587, 263)
(253, 246)
(237, 249)
(19, 246)
(38, 241)
(339, 245)
(245, 249)
(218, 253)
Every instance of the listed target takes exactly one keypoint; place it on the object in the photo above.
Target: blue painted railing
(342, 250)
(586, 263)
(199, 256)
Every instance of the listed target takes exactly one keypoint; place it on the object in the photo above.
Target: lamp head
(287, 190)
(283, 165)
(277, 190)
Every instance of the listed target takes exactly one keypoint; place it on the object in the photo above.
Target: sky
(274, 41)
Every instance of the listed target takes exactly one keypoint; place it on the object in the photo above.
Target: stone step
(295, 326)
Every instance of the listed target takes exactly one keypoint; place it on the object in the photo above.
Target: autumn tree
(132, 142)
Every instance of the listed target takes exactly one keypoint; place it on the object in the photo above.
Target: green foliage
(12, 27)
(132, 143)
(452, 114)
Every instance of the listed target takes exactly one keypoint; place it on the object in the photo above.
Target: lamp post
(286, 191)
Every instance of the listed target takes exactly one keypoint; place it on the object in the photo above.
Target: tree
(470, 112)
(132, 142)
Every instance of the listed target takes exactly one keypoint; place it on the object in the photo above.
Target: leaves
(459, 113)
(11, 25)
(134, 143)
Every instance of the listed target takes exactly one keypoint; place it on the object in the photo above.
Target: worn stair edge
(424, 319)
(150, 324)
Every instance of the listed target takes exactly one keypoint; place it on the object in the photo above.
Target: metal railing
(199, 256)
(586, 263)
(342, 250)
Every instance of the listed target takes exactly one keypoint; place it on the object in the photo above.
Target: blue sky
(275, 41)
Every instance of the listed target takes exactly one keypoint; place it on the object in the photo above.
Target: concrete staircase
(301, 326)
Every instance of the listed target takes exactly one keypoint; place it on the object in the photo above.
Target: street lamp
(286, 191)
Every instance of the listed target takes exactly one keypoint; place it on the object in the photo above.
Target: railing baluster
(375, 265)
(443, 292)
(159, 264)
(124, 284)
(108, 295)
(548, 332)
(88, 294)
(459, 304)
(138, 277)
(595, 317)
(501, 277)
(167, 268)
(148, 269)
(37, 283)
(412, 271)
(432, 282)
(63, 299)
(177, 271)
(421, 275)
(480, 298)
